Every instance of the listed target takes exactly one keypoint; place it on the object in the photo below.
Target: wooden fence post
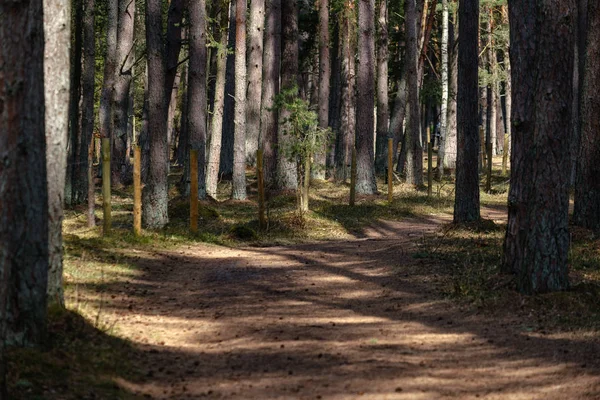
(390, 170)
(137, 191)
(194, 191)
(260, 175)
(106, 206)
(353, 178)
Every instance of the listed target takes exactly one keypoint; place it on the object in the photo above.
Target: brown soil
(355, 319)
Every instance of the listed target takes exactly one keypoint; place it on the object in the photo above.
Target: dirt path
(340, 320)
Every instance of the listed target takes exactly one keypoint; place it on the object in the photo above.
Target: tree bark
(445, 88)
(365, 101)
(226, 163)
(450, 143)
(269, 123)
(24, 203)
(110, 69)
(121, 165)
(286, 169)
(536, 245)
(466, 203)
(255, 70)
(196, 104)
(383, 113)
(156, 196)
(241, 80)
(320, 158)
(174, 39)
(587, 184)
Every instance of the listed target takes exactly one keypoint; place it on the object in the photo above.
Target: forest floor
(384, 308)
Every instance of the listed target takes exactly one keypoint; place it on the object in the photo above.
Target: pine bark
(269, 124)
(536, 245)
(174, 40)
(587, 184)
(383, 112)
(365, 101)
(466, 203)
(24, 203)
(241, 81)
(110, 69)
(196, 103)
(445, 87)
(255, 69)
(155, 194)
(320, 158)
(450, 143)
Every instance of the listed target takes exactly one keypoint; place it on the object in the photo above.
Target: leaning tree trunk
(196, 103)
(156, 191)
(286, 169)
(24, 203)
(383, 113)
(121, 166)
(587, 184)
(412, 138)
(255, 69)
(536, 246)
(320, 157)
(269, 125)
(365, 84)
(239, 138)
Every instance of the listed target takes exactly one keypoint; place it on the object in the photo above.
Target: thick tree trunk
(110, 69)
(383, 113)
(587, 184)
(174, 39)
(286, 169)
(121, 165)
(226, 163)
(450, 143)
(445, 87)
(255, 70)
(269, 123)
(241, 80)
(156, 191)
(320, 158)
(196, 104)
(412, 138)
(536, 246)
(466, 203)
(24, 203)
(216, 124)
(365, 101)
(578, 82)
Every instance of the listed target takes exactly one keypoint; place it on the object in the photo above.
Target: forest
(299, 199)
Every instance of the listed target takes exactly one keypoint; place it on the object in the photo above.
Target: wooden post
(106, 186)
(260, 174)
(390, 170)
(194, 191)
(137, 191)
(353, 178)
(505, 154)
(482, 151)
(488, 183)
(429, 163)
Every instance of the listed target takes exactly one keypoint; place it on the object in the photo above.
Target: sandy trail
(334, 320)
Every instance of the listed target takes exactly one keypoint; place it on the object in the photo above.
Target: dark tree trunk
(286, 169)
(320, 158)
(269, 124)
(466, 203)
(383, 113)
(121, 165)
(578, 82)
(156, 196)
(241, 81)
(334, 98)
(536, 246)
(24, 191)
(226, 162)
(196, 103)
(110, 68)
(174, 40)
(255, 69)
(587, 184)
(365, 101)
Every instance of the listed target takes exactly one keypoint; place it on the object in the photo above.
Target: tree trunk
(587, 184)
(466, 203)
(216, 125)
(445, 87)
(226, 163)
(196, 104)
(269, 123)
(255, 69)
(383, 113)
(319, 165)
(121, 165)
(536, 246)
(412, 141)
(24, 203)
(286, 169)
(174, 39)
(450, 143)
(365, 101)
(156, 191)
(241, 80)
(110, 67)
(578, 82)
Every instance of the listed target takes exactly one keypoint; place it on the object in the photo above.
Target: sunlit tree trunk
(241, 82)
(445, 82)
(255, 69)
